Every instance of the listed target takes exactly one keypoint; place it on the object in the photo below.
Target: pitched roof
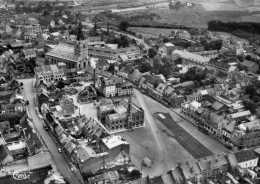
(64, 51)
(217, 105)
(248, 63)
(156, 180)
(245, 155)
(3, 153)
(190, 169)
(212, 162)
(29, 52)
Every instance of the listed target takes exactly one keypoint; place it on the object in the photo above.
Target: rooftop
(16, 146)
(191, 56)
(64, 51)
(114, 141)
(245, 155)
(47, 68)
(240, 114)
(117, 116)
(84, 153)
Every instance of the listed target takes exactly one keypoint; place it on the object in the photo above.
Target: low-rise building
(119, 118)
(87, 95)
(246, 159)
(49, 73)
(250, 66)
(31, 32)
(114, 86)
(124, 89)
(29, 54)
(129, 53)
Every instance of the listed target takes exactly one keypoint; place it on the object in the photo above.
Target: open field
(151, 32)
(192, 145)
(197, 16)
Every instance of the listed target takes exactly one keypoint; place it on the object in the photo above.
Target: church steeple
(81, 48)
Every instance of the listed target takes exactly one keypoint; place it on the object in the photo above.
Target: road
(61, 163)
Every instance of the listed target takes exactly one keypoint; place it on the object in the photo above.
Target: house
(250, 66)
(31, 32)
(190, 171)
(5, 156)
(29, 54)
(115, 153)
(166, 49)
(119, 120)
(160, 88)
(175, 100)
(120, 117)
(111, 177)
(17, 149)
(149, 82)
(49, 73)
(4, 127)
(67, 106)
(87, 95)
(129, 53)
(135, 76)
(107, 86)
(247, 159)
(213, 165)
(168, 90)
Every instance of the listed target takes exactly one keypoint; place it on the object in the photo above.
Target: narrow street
(61, 163)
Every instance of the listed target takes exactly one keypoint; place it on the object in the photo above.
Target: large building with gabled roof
(75, 56)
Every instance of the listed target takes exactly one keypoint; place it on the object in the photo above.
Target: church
(75, 55)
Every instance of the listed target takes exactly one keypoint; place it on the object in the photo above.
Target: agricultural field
(151, 32)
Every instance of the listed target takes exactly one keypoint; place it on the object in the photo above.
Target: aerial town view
(129, 91)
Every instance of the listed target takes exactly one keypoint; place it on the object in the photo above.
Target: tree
(61, 84)
(123, 26)
(145, 67)
(111, 68)
(251, 91)
(152, 52)
(123, 41)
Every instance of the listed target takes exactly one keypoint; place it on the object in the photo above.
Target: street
(61, 163)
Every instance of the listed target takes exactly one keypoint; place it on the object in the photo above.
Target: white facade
(51, 74)
(109, 91)
(249, 164)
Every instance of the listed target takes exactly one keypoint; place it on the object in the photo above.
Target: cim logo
(22, 175)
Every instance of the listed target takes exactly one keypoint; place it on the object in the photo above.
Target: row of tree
(248, 30)
(251, 27)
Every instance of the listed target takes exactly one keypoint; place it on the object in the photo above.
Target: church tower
(81, 50)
